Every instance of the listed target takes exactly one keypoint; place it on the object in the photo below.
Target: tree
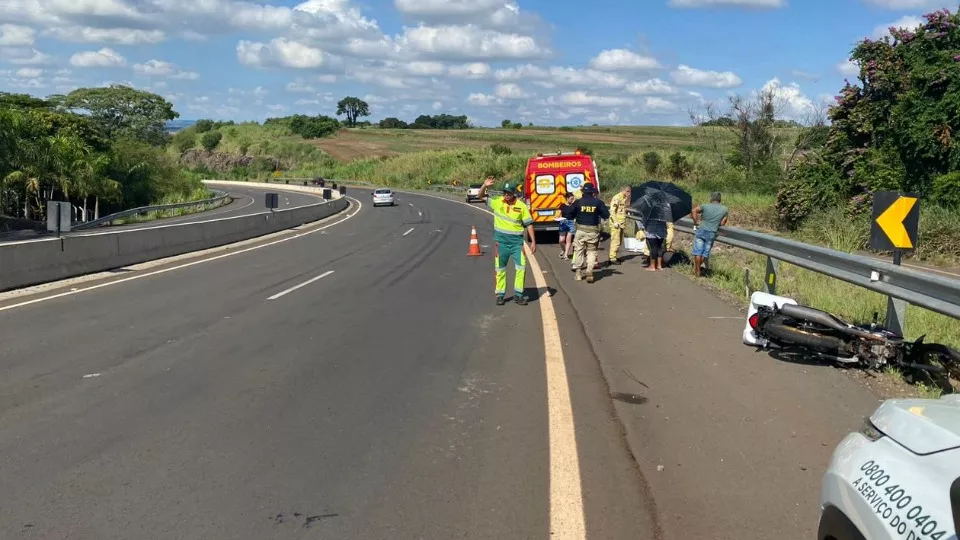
(353, 108)
(203, 125)
(23, 101)
(506, 123)
(313, 127)
(122, 111)
(392, 123)
(210, 140)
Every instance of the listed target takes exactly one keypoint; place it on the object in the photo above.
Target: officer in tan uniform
(618, 221)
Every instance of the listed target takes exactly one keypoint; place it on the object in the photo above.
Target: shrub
(500, 149)
(184, 140)
(651, 162)
(946, 190)
(203, 126)
(244, 146)
(211, 139)
(809, 186)
(679, 167)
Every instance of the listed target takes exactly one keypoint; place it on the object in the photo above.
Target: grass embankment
(198, 194)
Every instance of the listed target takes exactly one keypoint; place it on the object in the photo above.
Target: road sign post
(894, 227)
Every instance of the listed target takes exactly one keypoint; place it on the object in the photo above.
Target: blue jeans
(703, 243)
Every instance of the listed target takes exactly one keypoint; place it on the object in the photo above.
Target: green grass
(198, 194)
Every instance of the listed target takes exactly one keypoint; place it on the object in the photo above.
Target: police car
(898, 477)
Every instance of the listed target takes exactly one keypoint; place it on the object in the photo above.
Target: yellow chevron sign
(896, 218)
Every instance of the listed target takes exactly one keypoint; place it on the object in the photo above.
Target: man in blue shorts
(708, 219)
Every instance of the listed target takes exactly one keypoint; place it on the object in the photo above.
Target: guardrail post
(770, 279)
(896, 308)
(746, 282)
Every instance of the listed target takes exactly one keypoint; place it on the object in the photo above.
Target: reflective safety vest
(509, 219)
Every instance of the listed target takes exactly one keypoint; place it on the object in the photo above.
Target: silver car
(383, 197)
(898, 477)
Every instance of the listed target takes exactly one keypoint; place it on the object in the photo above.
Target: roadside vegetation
(106, 159)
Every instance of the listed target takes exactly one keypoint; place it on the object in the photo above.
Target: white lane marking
(411, 204)
(91, 375)
(304, 284)
(410, 231)
(419, 213)
(185, 265)
(566, 494)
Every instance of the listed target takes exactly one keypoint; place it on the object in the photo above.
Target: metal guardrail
(221, 196)
(923, 289)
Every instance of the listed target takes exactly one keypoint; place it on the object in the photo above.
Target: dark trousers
(655, 245)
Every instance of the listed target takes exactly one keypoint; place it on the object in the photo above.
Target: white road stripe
(185, 265)
(420, 213)
(304, 284)
(410, 231)
(566, 494)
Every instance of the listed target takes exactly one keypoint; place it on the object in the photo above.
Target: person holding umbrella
(659, 203)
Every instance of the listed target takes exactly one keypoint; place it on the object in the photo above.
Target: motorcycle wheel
(794, 336)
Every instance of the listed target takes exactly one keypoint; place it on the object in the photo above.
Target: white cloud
(795, 104)
(425, 68)
(688, 76)
(908, 22)
(280, 52)
(469, 41)
(29, 73)
(911, 4)
(119, 36)
(437, 105)
(474, 70)
(103, 58)
(159, 68)
(651, 87)
(483, 100)
(24, 56)
(510, 91)
(503, 14)
(657, 104)
(586, 99)
(326, 78)
(756, 4)
(561, 76)
(623, 60)
(848, 68)
(300, 86)
(12, 35)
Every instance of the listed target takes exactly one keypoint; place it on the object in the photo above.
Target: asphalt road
(354, 381)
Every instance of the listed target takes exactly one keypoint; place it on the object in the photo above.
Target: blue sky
(550, 62)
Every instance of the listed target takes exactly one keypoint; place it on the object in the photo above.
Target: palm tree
(91, 180)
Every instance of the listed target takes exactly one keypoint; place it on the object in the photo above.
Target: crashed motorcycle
(777, 322)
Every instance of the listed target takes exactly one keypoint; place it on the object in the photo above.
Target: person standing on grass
(567, 226)
(511, 218)
(589, 210)
(618, 221)
(708, 218)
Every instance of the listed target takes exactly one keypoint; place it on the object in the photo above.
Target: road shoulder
(732, 442)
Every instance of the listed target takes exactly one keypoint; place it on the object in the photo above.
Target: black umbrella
(660, 200)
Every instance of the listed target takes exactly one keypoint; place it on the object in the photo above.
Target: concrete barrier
(39, 261)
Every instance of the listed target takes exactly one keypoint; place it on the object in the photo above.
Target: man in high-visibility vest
(511, 217)
(618, 221)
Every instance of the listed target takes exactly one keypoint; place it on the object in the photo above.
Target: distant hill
(174, 126)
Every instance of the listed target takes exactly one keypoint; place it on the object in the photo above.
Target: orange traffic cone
(474, 244)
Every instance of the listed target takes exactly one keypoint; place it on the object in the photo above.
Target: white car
(473, 193)
(898, 477)
(383, 196)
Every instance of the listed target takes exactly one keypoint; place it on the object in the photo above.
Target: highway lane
(356, 382)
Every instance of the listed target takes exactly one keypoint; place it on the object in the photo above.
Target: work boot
(579, 276)
(589, 277)
(500, 300)
(520, 299)
(615, 261)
